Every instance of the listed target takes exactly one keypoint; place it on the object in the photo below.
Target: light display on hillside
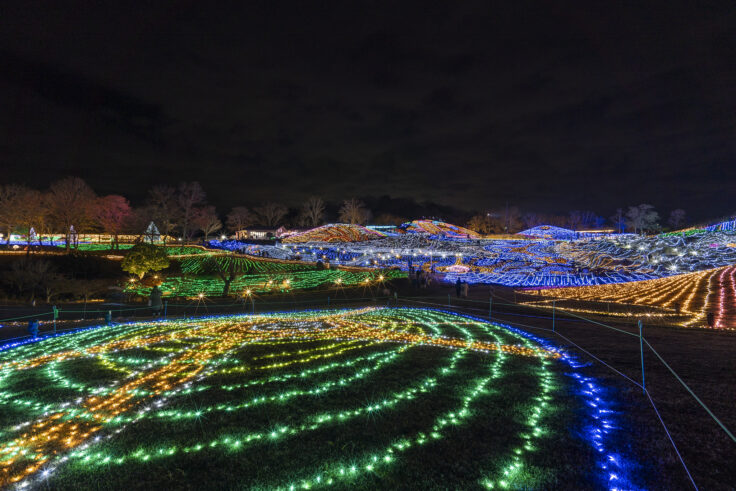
(550, 232)
(538, 263)
(727, 226)
(686, 299)
(437, 229)
(276, 280)
(266, 399)
(335, 232)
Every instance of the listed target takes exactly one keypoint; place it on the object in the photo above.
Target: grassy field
(369, 398)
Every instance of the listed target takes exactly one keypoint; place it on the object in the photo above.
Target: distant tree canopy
(143, 258)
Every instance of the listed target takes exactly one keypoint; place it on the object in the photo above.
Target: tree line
(637, 219)
(180, 210)
(183, 211)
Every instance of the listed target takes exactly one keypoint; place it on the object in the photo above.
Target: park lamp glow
(201, 295)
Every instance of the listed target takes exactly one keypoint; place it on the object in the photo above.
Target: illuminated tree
(354, 211)
(239, 218)
(111, 214)
(271, 213)
(677, 218)
(313, 212)
(142, 258)
(71, 202)
(206, 220)
(227, 270)
(190, 196)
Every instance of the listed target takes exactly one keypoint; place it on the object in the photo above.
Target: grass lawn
(370, 398)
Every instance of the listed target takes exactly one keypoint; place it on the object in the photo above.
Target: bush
(143, 258)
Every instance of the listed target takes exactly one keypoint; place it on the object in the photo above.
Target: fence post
(448, 299)
(553, 315)
(641, 350)
(328, 301)
(56, 316)
(253, 304)
(166, 306)
(490, 307)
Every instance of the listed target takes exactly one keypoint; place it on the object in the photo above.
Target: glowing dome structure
(550, 232)
(438, 229)
(335, 232)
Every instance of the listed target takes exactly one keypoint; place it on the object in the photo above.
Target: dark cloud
(546, 106)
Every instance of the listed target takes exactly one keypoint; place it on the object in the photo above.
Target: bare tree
(10, 196)
(206, 220)
(588, 219)
(313, 212)
(28, 275)
(165, 209)
(480, 224)
(111, 213)
(531, 220)
(31, 213)
(574, 219)
(642, 218)
(389, 219)
(271, 213)
(677, 218)
(190, 196)
(618, 220)
(70, 202)
(354, 211)
(510, 219)
(239, 218)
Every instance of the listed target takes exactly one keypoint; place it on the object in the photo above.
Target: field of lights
(371, 397)
(684, 299)
(559, 259)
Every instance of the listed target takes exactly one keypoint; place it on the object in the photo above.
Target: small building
(260, 233)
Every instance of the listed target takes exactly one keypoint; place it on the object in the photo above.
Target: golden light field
(683, 300)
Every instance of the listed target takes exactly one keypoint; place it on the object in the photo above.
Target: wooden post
(641, 351)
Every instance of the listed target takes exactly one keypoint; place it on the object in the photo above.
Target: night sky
(546, 106)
